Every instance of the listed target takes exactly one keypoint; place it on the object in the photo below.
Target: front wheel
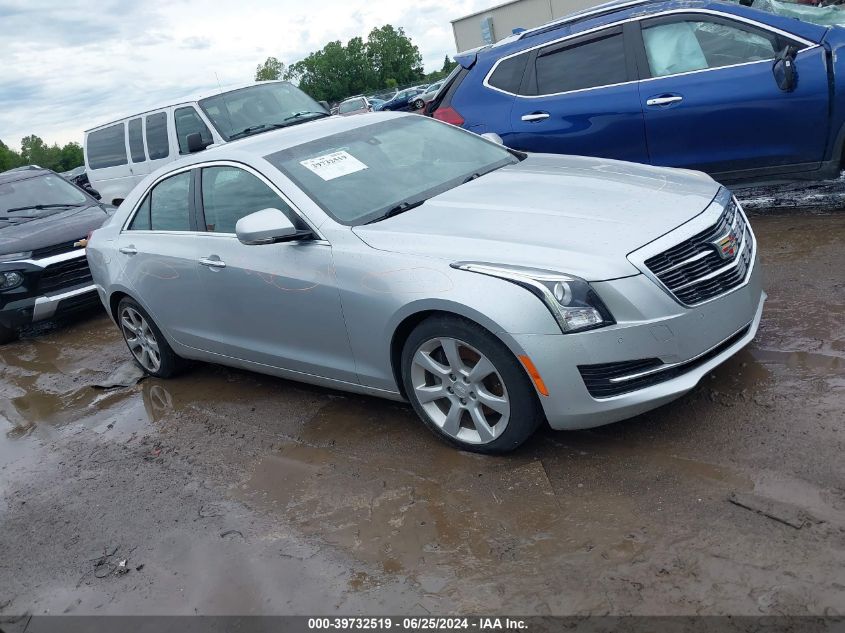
(145, 341)
(418, 104)
(467, 386)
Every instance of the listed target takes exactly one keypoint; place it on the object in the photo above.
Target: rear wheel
(7, 334)
(145, 341)
(467, 386)
(418, 104)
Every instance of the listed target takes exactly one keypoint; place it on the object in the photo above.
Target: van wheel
(7, 334)
(145, 341)
(468, 387)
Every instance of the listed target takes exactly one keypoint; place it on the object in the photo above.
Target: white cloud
(75, 64)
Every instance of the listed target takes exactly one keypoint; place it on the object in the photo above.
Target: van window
(157, 144)
(136, 141)
(590, 64)
(229, 193)
(106, 147)
(170, 205)
(188, 121)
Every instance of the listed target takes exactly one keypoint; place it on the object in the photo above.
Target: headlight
(571, 300)
(10, 279)
(10, 257)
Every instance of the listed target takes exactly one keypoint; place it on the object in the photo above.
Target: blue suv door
(711, 101)
(579, 96)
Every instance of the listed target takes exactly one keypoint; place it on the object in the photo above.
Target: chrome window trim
(727, 16)
(215, 163)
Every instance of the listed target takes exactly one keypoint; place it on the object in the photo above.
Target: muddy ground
(230, 492)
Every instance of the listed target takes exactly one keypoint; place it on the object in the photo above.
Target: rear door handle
(664, 100)
(128, 250)
(535, 116)
(212, 263)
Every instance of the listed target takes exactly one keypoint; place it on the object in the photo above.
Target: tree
(448, 65)
(70, 156)
(387, 58)
(9, 158)
(271, 69)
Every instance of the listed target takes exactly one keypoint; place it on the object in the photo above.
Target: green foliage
(387, 58)
(271, 69)
(34, 151)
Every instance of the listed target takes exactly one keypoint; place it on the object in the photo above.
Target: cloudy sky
(74, 64)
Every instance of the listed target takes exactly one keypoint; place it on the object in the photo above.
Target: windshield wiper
(399, 208)
(39, 207)
(297, 115)
(247, 131)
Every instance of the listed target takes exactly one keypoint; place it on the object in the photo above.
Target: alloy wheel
(141, 339)
(460, 390)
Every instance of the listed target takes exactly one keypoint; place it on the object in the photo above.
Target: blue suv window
(508, 74)
(588, 64)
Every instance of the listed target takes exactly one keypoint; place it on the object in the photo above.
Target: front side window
(229, 193)
(106, 147)
(136, 141)
(166, 207)
(688, 44)
(188, 121)
(359, 175)
(596, 62)
(351, 106)
(157, 144)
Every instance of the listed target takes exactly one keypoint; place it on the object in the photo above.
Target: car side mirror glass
(195, 142)
(267, 226)
(785, 71)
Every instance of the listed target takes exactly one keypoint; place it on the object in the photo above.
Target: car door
(580, 96)
(274, 304)
(157, 249)
(137, 151)
(711, 101)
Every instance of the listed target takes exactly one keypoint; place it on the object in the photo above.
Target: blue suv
(739, 93)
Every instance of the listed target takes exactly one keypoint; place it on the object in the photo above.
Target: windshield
(259, 107)
(46, 190)
(360, 175)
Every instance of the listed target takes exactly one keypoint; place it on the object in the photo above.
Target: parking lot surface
(222, 491)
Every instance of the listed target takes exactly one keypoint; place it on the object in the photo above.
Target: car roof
(620, 10)
(22, 173)
(197, 96)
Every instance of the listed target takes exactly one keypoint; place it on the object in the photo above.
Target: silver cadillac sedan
(491, 289)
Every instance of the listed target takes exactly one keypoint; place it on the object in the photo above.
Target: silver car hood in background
(570, 214)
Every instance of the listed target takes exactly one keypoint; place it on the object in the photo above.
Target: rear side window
(229, 193)
(508, 74)
(590, 64)
(136, 141)
(157, 143)
(170, 204)
(188, 121)
(351, 106)
(106, 147)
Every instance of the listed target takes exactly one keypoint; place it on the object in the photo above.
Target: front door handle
(535, 116)
(212, 263)
(128, 250)
(663, 100)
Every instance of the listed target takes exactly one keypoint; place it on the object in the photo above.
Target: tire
(418, 104)
(452, 402)
(7, 334)
(151, 351)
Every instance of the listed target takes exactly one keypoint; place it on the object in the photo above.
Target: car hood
(50, 229)
(570, 214)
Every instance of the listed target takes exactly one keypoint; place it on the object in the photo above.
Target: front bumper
(695, 340)
(33, 309)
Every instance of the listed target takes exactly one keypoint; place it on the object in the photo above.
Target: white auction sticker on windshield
(334, 165)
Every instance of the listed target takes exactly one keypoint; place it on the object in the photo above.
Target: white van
(118, 155)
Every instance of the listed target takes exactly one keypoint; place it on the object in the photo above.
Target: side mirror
(267, 226)
(325, 104)
(195, 143)
(785, 71)
(492, 136)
